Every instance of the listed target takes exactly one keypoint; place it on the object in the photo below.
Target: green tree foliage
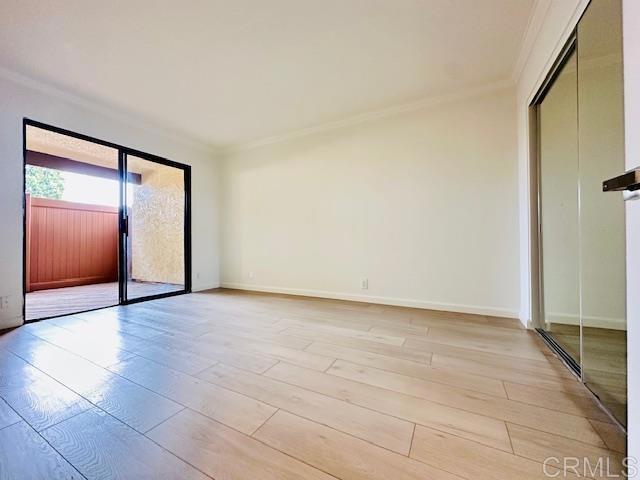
(44, 182)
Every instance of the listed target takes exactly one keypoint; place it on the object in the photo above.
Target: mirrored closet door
(582, 229)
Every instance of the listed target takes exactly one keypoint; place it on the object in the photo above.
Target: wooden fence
(70, 244)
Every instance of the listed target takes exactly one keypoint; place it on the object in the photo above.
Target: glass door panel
(558, 190)
(71, 223)
(602, 216)
(155, 228)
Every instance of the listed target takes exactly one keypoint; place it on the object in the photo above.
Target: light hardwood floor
(233, 385)
(69, 300)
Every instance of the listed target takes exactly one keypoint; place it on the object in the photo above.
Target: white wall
(55, 108)
(423, 204)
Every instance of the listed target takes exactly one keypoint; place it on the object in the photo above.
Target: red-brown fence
(70, 244)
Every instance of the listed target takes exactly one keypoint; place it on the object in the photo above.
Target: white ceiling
(232, 71)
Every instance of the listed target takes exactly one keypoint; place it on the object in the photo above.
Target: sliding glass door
(104, 224)
(154, 241)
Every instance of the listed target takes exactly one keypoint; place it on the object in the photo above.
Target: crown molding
(372, 115)
(536, 22)
(534, 25)
(116, 114)
(581, 6)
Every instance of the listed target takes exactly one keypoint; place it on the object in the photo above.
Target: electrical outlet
(252, 275)
(198, 275)
(364, 284)
(4, 303)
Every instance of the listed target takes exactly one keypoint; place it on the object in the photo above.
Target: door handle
(125, 225)
(627, 181)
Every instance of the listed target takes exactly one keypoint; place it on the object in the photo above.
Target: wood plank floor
(69, 300)
(237, 385)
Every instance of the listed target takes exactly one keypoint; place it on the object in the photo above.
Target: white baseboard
(200, 288)
(399, 302)
(10, 322)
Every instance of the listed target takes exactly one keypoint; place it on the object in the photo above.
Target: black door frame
(122, 247)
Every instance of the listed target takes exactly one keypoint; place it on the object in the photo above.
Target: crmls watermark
(603, 467)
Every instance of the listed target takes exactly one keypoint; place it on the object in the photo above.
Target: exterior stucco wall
(157, 226)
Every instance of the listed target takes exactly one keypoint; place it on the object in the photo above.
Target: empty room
(294, 239)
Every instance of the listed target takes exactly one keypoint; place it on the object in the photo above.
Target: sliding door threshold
(567, 359)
